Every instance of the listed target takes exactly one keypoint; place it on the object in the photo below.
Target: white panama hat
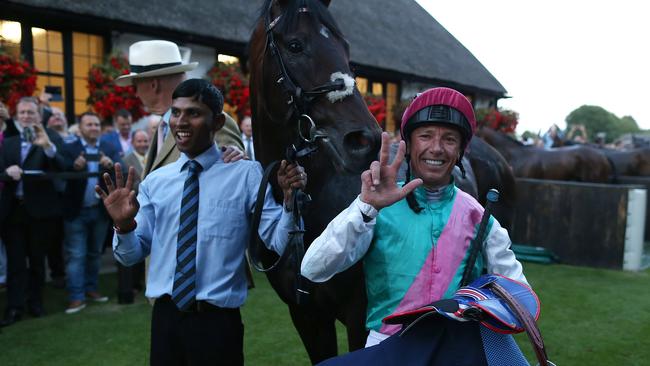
(154, 58)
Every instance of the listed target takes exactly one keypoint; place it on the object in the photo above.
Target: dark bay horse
(303, 94)
(574, 163)
(633, 162)
(492, 171)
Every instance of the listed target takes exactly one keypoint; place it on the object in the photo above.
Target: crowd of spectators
(48, 211)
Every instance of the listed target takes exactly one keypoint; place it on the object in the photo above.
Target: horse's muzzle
(356, 151)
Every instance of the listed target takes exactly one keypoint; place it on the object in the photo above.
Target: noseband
(297, 98)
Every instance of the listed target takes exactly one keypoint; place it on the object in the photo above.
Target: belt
(200, 306)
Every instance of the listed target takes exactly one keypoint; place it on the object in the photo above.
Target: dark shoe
(36, 311)
(125, 297)
(11, 316)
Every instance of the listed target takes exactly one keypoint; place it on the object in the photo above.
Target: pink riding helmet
(440, 105)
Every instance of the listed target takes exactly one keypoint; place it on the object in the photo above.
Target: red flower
(17, 79)
(106, 97)
(500, 120)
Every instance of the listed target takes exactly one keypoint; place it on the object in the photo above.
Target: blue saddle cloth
(439, 341)
(443, 332)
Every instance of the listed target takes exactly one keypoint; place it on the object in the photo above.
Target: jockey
(413, 237)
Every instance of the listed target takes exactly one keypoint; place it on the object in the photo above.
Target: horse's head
(303, 92)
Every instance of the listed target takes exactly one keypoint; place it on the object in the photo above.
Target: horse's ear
(326, 2)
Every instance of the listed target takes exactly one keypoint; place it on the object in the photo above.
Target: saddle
(499, 303)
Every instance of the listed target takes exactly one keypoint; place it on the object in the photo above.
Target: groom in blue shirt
(192, 217)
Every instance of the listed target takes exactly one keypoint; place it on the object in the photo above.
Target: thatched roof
(393, 35)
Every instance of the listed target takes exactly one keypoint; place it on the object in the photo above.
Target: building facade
(395, 52)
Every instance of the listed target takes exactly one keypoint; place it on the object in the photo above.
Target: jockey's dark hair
(202, 91)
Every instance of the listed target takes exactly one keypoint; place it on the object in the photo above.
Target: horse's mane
(290, 17)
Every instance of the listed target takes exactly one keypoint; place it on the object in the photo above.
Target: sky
(555, 56)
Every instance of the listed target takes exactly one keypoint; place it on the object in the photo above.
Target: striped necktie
(184, 292)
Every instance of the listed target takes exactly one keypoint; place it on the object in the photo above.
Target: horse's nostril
(359, 142)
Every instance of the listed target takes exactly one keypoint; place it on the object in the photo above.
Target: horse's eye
(295, 47)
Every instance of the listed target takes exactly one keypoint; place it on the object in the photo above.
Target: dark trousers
(26, 237)
(212, 336)
(55, 252)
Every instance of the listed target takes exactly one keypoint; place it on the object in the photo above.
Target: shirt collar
(446, 192)
(167, 115)
(207, 158)
(85, 143)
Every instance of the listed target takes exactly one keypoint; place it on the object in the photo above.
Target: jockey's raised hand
(379, 183)
(120, 201)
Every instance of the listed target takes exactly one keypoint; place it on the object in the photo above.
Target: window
(48, 60)
(362, 85)
(377, 89)
(87, 50)
(10, 35)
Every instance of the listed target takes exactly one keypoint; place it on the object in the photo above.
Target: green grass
(589, 317)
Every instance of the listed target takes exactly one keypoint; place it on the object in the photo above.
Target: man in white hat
(156, 69)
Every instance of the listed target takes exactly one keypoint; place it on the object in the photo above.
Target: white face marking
(337, 95)
(324, 32)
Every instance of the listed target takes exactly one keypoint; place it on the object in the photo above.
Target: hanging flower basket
(105, 97)
(17, 79)
(233, 84)
(501, 120)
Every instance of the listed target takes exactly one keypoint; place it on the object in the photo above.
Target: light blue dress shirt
(90, 196)
(227, 196)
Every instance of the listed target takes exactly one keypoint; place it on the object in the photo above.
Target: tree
(597, 119)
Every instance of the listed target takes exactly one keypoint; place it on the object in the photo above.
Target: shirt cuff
(366, 209)
(50, 151)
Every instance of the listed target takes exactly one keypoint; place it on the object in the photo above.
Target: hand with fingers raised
(120, 201)
(379, 183)
(40, 136)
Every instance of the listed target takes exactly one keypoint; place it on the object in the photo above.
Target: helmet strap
(410, 198)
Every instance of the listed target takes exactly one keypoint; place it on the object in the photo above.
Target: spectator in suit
(59, 123)
(152, 125)
(85, 221)
(136, 158)
(28, 208)
(131, 279)
(120, 137)
(246, 128)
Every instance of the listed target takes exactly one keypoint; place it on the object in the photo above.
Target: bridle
(297, 98)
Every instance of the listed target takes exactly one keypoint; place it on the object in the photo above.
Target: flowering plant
(104, 96)
(503, 120)
(377, 107)
(17, 79)
(233, 84)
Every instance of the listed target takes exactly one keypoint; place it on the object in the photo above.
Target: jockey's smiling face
(193, 125)
(434, 150)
